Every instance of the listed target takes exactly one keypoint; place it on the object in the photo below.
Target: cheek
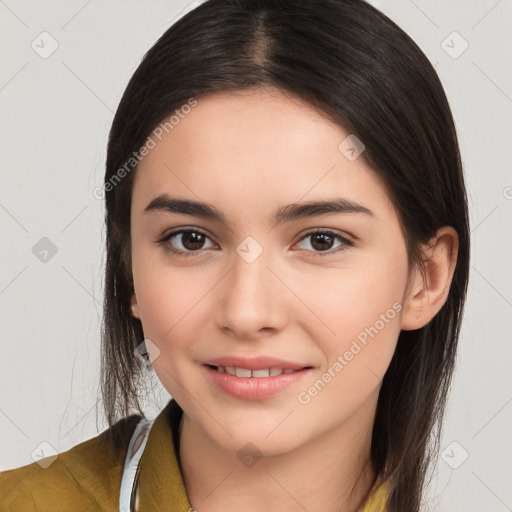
(169, 310)
(170, 299)
(355, 296)
(358, 335)
(358, 310)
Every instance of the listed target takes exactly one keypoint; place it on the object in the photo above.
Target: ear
(135, 307)
(429, 292)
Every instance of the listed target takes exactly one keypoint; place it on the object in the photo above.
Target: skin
(249, 153)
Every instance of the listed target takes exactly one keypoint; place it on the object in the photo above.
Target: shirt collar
(160, 479)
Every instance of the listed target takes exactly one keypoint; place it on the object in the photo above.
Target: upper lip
(256, 363)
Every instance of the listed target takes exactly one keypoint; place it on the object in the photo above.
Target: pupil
(190, 240)
(322, 236)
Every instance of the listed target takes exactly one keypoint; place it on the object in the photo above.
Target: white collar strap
(131, 464)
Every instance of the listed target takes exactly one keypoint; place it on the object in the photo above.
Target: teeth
(261, 373)
(245, 372)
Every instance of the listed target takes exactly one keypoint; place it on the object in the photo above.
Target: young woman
(288, 249)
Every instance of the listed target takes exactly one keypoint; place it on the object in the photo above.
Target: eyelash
(346, 242)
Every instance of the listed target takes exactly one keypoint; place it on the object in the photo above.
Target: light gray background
(56, 113)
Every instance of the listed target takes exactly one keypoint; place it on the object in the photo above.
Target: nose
(251, 302)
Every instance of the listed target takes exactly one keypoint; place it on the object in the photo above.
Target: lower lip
(254, 388)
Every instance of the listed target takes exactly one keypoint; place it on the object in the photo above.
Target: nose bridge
(251, 293)
(250, 273)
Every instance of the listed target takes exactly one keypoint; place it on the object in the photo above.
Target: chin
(251, 436)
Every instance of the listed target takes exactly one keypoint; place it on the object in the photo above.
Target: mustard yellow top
(87, 478)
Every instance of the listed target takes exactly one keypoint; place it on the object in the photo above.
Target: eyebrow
(290, 212)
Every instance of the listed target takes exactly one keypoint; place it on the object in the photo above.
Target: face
(323, 291)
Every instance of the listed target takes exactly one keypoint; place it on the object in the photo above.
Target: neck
(332, 473)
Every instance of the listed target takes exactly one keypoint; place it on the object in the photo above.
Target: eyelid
(184, 229)
(181, 229)
(341, 234)
(345, 239)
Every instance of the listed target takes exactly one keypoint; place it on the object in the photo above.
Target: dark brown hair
(362, 71)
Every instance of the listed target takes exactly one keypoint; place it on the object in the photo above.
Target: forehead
(253, 148)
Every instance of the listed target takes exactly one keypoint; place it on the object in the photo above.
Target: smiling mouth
(261, 373)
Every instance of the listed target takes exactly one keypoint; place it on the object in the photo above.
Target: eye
(322, 240)
(191, 241)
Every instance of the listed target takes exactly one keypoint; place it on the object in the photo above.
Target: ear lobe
(135, 307)
(430, 291)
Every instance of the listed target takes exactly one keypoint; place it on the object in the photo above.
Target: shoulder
(85, 478)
